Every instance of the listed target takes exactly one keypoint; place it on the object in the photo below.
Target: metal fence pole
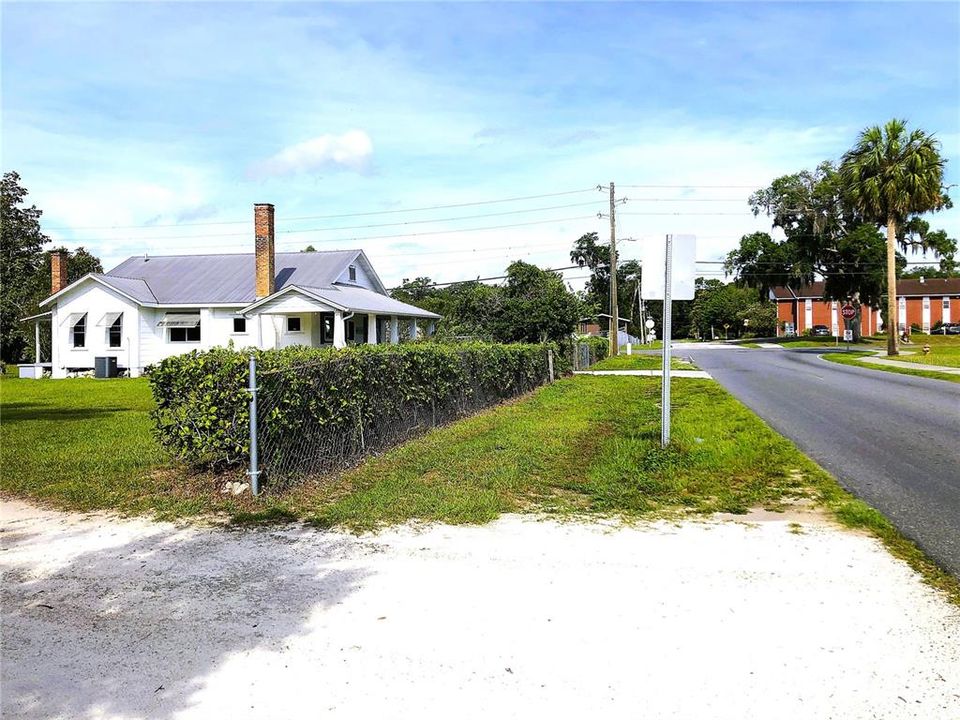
(550, 363)
(254, 471)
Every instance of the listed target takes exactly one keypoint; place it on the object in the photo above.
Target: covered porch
(301, 316)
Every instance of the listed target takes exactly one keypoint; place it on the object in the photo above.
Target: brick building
(923, 302)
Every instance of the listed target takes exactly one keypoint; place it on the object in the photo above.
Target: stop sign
(849, 312)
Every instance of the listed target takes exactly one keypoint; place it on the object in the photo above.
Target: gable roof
(349, 298)
(224, 279)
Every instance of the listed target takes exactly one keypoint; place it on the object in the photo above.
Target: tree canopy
(588, 253)
(25, 270)
(531, 305)
(826, 236)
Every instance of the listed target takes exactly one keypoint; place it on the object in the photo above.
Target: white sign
(684, 273)
(649, 323)
(848, 335)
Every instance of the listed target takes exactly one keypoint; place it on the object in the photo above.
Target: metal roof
(220, 279)
(362, 300)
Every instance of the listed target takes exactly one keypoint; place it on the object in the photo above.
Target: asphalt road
(892, 440)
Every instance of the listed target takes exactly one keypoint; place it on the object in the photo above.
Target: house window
(293, 324)
(326, 329)
(352, 273)
(115, 333)
(239, 325)
(946, 303)
(79, 332)
(185, 334)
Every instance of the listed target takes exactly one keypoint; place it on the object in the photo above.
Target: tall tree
(589, 253)
(20, 258)
(890, 176)
(536, 306)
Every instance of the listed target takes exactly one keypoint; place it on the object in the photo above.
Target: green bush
(357, 400)
(599, 346)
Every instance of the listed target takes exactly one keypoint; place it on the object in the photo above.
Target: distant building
(923, 302)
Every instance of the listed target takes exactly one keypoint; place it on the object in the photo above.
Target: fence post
(254, 471)
(550, 363)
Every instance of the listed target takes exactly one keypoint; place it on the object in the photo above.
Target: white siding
(363, 279)
(95, 300)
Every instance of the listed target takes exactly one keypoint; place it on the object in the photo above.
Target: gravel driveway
(113, 618)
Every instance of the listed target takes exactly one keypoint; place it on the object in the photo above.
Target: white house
(148, 308)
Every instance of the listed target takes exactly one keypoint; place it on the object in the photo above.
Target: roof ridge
(251, 254)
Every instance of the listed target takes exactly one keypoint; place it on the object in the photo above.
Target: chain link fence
(316, 418)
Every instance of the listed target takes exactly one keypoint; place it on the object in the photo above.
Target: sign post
(678, 256)
(667, 337)
(848, 312)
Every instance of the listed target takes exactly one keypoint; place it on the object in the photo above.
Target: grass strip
(855, 359)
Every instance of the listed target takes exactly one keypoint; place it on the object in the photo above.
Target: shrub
(324, 408)
(599, 346)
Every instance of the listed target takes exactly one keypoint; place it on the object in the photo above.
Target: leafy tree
(531, 305)
(588, 253)
(758, 319)
(890, 177)
(536, 306)
(826, 236)
(20, 259)
(309, 248)
(927, 272)
(719, 306)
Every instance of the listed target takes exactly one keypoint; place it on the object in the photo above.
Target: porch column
(394, 330)
(371, 329)
(413, 329)
(36, 340)
(431, 328)
(339, 330)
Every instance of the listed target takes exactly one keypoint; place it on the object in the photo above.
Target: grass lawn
(583, 445)
(640, 362)
(806, 341)
(856, 359)
(944, 350)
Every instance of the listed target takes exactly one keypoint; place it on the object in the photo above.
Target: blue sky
(163, 116)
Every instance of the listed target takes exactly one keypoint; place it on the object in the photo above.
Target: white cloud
(351, 150)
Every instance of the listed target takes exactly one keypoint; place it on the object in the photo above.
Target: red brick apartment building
(922, 301)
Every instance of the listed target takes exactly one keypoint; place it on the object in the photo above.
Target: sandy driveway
(131, 619)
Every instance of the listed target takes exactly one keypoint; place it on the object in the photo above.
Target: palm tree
(890, 175)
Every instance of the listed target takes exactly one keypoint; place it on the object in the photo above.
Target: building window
(293, 324)
(239, 325)
(115, 333)
(352, 273)
(946, 303)
(185, 334)
(79, 332)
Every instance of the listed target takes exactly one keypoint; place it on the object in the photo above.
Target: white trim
(91, 276)
(292, 288)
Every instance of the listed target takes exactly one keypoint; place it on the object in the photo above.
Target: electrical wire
(341, 215)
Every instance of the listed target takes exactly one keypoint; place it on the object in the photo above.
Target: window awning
(184, 320)
(73, 318)
(109, 319)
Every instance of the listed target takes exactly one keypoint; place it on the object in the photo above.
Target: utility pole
(614, 319)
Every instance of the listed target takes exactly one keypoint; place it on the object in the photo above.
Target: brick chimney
(58, 270)
(263, 230)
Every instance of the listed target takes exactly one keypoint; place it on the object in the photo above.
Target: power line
(359, 227)
(341, 215)
(698, 187)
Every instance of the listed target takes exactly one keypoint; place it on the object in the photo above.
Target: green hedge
(599, 347)
(338, 404)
